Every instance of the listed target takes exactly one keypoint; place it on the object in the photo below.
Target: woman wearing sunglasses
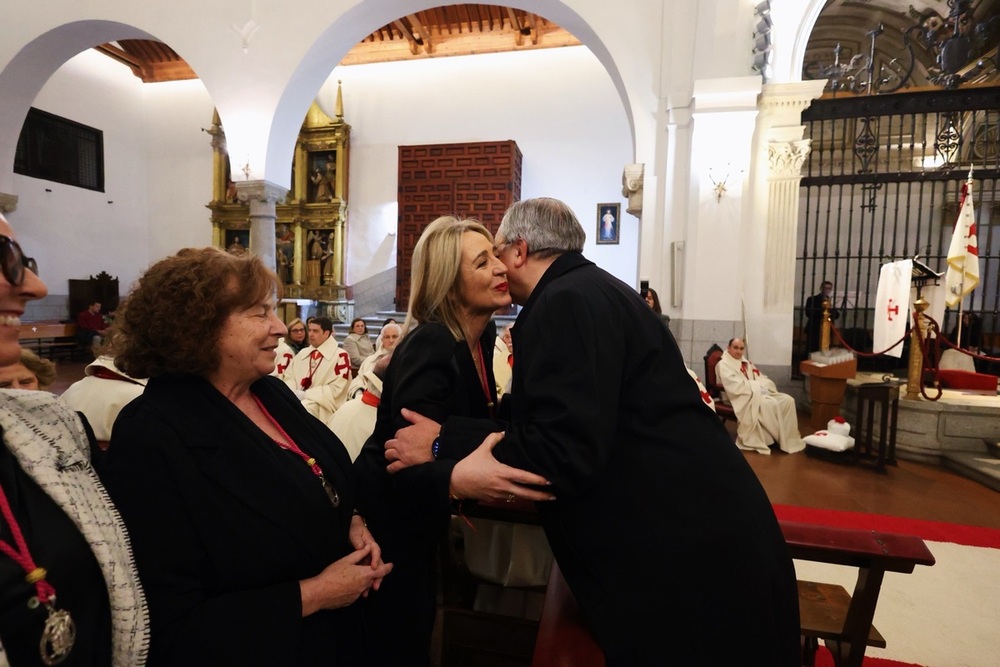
(69, 591)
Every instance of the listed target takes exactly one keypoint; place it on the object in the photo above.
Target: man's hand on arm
(413, 444)
(479, 475)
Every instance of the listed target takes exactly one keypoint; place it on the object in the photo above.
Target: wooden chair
(722, 408)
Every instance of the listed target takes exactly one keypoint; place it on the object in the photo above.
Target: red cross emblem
(892, 310)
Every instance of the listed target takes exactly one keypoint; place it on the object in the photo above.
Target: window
(57, 149)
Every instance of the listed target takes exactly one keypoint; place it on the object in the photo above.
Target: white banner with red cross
(892, 306)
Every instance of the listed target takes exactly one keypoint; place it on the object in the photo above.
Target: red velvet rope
(834, 329)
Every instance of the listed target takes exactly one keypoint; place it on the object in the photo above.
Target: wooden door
(471, 180)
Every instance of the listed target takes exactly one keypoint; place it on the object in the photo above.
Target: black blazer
(434, 374)
(224, 524)
(659, 525)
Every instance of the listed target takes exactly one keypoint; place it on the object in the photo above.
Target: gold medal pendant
(57, 637)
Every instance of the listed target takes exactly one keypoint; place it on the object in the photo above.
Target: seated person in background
(90, 326)
(354, 422)
(319, 374)
(503, 361)
(358, 345)
(386, 343)
(296, 338)
(31, 373)
(763, 415)
(102, 394)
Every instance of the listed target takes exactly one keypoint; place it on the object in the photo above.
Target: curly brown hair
(171, 321)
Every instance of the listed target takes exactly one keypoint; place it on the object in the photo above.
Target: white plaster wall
(569, 125)
(74, 232)
(559, 105)
(178, 164)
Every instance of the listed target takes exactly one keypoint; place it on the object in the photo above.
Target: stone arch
(333, 43)
(34, 65)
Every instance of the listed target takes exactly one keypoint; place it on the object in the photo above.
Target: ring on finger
(510, 498)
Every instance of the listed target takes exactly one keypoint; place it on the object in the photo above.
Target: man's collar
(564, 263)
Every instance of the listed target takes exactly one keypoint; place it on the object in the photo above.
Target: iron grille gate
(882, 182)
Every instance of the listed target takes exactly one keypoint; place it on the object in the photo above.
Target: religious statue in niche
(237, 241)
(319, 258)
(284, 244)
(322, 178)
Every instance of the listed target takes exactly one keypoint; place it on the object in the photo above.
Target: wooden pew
(827, 612)
(48, 338)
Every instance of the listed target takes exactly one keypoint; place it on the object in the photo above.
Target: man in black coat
(814, 314)
(659, 525)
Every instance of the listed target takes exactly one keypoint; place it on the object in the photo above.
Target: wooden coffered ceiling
(453, 30)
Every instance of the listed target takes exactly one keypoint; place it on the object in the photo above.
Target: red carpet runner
(935, 531)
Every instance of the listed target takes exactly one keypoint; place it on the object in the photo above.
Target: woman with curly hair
(239, 503)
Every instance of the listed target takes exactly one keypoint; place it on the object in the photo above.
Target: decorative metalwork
(866, 143)
(858, 74)
(948, 141)
(960, 45)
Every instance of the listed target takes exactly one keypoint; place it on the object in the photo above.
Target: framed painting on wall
(608, 216)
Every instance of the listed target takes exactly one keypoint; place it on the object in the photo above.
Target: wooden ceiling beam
(515, 25)
(421, 34)
(414, 45)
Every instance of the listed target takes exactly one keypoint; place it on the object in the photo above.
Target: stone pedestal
(827, 385)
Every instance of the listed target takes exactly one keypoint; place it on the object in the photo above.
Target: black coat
(408, 512)
(660, 526)
(225, 524)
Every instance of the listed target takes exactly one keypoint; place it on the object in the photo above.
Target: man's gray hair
(547, 225)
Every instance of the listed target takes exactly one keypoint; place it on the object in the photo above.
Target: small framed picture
(608, 219)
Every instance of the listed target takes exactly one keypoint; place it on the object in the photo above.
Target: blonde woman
(442, 368)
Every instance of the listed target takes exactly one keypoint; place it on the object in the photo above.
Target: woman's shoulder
(430, 333)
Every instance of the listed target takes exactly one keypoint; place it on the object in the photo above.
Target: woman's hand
(479, 475)
(360, 538)
(341, 582)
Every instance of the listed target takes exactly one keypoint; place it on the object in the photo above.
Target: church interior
(733, 155)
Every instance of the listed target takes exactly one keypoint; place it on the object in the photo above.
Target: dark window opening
(57, 149)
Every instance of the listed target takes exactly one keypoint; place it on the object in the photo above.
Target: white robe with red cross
(763, 416)
(321, 376)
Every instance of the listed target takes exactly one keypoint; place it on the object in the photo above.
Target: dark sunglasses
(13, 261)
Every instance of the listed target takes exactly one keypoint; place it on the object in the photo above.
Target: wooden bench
(48, 339)
(827, 612)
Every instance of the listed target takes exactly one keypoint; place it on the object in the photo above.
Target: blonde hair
(43, 369)
(434, 273)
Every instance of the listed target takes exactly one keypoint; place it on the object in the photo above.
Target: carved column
(781, 106)
(339, 234)
(785, 159)
(8, 202)
(262, 197)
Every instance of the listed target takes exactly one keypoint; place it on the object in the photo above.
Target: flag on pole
(892, 306)
(962, 275)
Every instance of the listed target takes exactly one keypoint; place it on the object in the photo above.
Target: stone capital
(784, 102)
(260, 192)
(785, 158)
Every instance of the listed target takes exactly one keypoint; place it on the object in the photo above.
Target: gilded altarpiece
(311, 223)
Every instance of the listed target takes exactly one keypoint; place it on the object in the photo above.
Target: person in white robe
(763, 415)
(283, 355)
(385, 344)
(320, 374)
(102, 394)
(503, 361)
(354, 422)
